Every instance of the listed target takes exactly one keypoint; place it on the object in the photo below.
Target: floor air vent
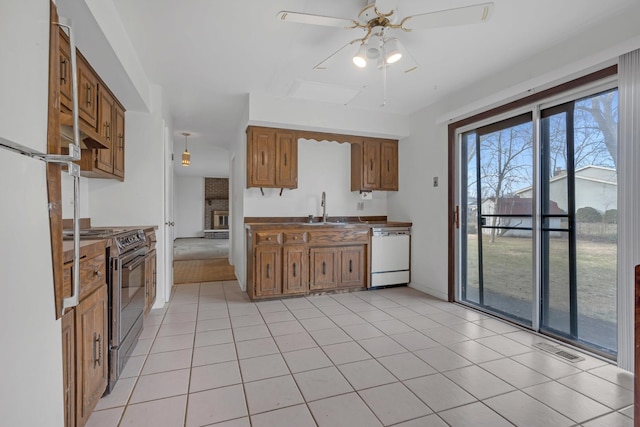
(571, 357)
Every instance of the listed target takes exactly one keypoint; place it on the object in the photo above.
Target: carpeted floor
(200, 248)
(201, 260)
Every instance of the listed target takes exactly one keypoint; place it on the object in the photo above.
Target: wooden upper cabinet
(287, 159)
(261, 153)
(389, 166)
(117, 146)
(374, 165)
(87, 92)
(101, 116)
(272, 158)
(105, 130)
(64, 53)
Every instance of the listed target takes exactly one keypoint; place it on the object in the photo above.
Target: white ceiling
(208, 55)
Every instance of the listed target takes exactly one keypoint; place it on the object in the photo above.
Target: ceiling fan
(378, 19)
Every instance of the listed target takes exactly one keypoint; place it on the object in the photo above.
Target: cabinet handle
(63, 71)
(262, 155)
(97, 273)
(350, 266)
(285, 159)
(388, 166)
(294, 270)
(88, 95)
(99, 350)
(268, 270)
(107, 133)
(371, 164)
(95, 358)
(324, 268)
(121, 139)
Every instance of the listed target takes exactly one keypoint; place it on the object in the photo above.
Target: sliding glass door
(497, 225)
(538, 236)
(579, 214)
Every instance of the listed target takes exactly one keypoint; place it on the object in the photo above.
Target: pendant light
(186, 157)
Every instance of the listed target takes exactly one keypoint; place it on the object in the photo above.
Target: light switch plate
(435, 181)
(360, 206)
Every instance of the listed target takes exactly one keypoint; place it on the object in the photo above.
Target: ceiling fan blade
(307, 18)
(325, 63)
(445, 18)
(386, 6)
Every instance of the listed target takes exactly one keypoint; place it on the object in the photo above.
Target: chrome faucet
(324, 207)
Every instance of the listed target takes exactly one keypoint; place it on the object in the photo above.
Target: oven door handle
(135, 264)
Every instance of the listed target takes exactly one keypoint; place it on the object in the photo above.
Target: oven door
(128, 294)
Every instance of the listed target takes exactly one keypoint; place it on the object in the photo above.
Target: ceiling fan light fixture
(392, 51)
(186, 156)
(360, 59)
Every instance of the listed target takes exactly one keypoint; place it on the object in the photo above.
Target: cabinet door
(323, 268)
(268, 266)
(371, 165)
(389, 166)
(262, 157)
(91, 353)
(295, 275)
(64, 53)
(287, 159)
(105, 130)
(352, 266)
(117, 145)
(87, 93)
(69, 367)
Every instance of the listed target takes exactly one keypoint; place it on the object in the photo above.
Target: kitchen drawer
(93, 274)
(268, 238)
(295, 237)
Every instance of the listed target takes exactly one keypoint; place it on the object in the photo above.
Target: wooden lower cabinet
(295, 274)
(352, 271)
(268, 265)
(69, 367)
(299, 260)
(92, 372)
(85, 336)
(323, 268)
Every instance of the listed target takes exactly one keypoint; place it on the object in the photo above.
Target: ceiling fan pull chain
(384, 79)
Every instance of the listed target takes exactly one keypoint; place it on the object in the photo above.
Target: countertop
(329, 224)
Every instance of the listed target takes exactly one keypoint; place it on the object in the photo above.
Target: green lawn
(508, 270)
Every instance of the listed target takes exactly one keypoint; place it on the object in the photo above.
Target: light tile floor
(390, 357)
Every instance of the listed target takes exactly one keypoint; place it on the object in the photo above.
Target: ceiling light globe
(394, 58)
(360, 59)
(392, 51)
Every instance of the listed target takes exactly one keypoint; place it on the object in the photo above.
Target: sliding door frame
(508, 108)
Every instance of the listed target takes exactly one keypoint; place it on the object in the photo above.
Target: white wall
(189, 206)
(31, 356)
(139, 200)
(423, 156)
(322, 166)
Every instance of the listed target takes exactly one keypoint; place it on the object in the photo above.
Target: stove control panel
(129, 240)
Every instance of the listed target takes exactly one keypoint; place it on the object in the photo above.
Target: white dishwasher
(390, 249)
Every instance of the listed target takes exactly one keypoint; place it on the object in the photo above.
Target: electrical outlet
(435, 181)
(366, 195)
(360, 206)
